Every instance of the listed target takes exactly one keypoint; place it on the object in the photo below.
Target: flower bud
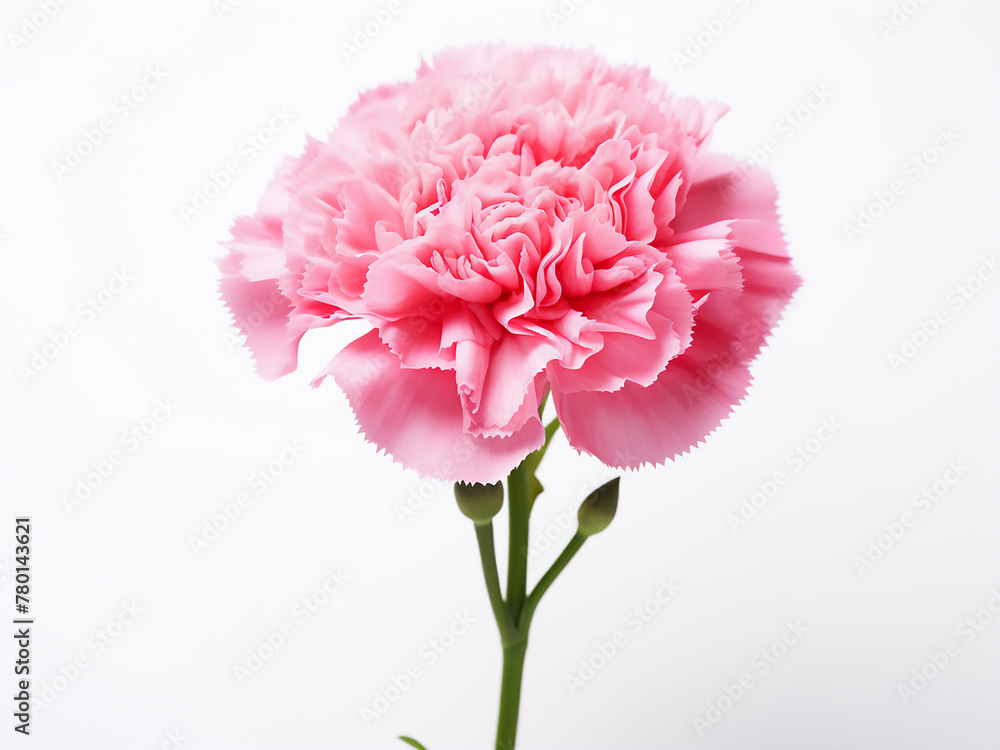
(480, 502)
(598, 510)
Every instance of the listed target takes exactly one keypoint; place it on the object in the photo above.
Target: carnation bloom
(512, 224)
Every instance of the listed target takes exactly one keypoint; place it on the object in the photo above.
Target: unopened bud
(598, 510)
(480, 502)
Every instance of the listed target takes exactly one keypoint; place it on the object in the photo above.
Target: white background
(337, 506)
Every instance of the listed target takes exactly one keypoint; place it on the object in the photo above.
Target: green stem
(548, 579)
(487, 551)
(510, 693)
(519, 497)
(514, 615)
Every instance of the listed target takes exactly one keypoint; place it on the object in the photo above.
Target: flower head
(512, 224)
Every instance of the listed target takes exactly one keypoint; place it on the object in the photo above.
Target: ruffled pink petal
(748, 204)
(415, 415)
(689, 399)
(249, 285)
(510, 369)
(702, 386)
(261, 313)
(641, 331)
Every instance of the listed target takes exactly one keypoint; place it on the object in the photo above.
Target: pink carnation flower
(511, 224)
